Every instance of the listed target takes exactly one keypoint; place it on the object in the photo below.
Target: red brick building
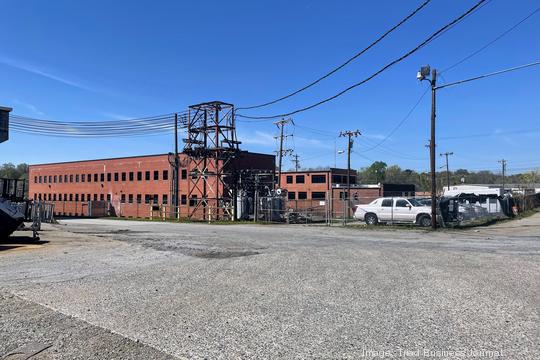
(129, 185)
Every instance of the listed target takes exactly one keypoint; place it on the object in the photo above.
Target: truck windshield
(415, 202)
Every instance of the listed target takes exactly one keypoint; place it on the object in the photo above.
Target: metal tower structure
(211, 145)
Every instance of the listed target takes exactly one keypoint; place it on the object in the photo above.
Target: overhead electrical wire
(357, 55)
(153, 125)
(536, 63)
(500, 36)
(384, 68)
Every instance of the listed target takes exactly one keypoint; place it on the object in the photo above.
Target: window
(102, 177)
(165, 174)
(88, 197)
(164, 199)
(101, 197)
(123, 198)
(291, 195)
(40, 179)
(302, 195)
(387, 203)
(147, 175)
(318, 195)
(109, 176)
(402, 203)
(183, 199)
(50, 179)
(35, 180)
(95, 177)
(130, 198)
(83, 178)
(300, 179)
(65, 178)
(82, 197)
(139, 198)
(123, 176)
(338, 179)
(70, 197)
(131, 176)
(318, 179)
(60, 178)
(65, 197)
(289, 179)
(139, 175)
(155, 200)
(49, 197)
(109, 197)
(54, 197)
(115, 176)
(77, 178)
(89, 177)
(55, 179)
(95, 197)
(147, 199)
(193, 200)
(156, 175)
(184, 174)
(70, 178)
(76, 197)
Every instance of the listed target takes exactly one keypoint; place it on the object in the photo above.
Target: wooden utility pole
(349, 135)
(296, 162)
(446, 154)
(281, 124)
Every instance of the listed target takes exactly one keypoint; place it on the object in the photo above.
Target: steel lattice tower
(211, 144)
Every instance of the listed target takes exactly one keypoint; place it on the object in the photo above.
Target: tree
(375, 173)
(10, 171)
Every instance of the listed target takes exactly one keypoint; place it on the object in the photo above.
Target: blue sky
(98, 60)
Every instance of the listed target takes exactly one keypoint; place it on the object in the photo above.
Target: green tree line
(380, 172)
(11, 171)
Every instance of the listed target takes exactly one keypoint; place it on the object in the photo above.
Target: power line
(491, 42)
(384, 68)
(489, 75)
(379, 39)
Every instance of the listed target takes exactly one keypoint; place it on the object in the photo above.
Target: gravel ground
(150, 290)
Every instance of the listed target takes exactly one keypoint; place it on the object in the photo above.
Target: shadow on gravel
(219, 254)
(14, 242)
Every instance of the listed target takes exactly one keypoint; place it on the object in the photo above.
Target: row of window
(129, 198)
(316, 195)
(301, 179)
(302, 195)
(318, 179)
(124, 176)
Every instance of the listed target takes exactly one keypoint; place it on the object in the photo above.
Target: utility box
(4, 123)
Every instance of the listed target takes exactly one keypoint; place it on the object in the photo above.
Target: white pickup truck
(396, 210)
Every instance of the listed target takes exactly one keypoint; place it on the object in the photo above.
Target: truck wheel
(424, 221)
(371, 219)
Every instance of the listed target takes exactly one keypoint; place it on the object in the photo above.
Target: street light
(422, 75)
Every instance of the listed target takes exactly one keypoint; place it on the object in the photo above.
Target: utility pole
(503, 162)
(176, 167)
(446, 154)
(296, 162)
(281, 124)
(349, 135)
(422, 75)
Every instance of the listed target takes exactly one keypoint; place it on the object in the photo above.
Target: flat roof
(314, 171)
(3, 108)
(127, 157)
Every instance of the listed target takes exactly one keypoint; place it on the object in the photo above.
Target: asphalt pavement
(103, 289)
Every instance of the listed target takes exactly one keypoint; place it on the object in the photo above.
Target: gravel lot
(111, 289)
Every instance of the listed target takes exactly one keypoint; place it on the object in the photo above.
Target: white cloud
(29, 106)
(21, 65)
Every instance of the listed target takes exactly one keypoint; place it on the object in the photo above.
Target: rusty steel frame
(211, 144)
